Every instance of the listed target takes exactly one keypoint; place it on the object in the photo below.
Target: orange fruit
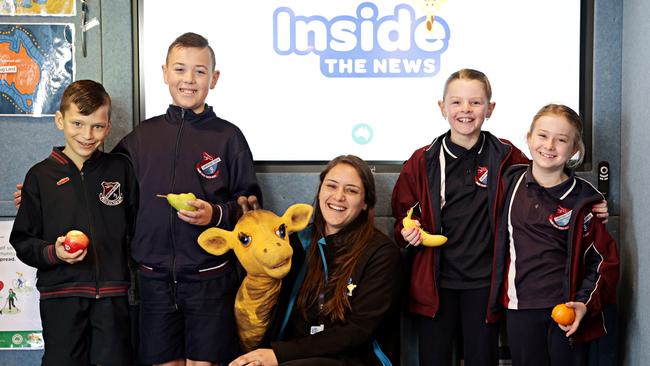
(563, 314)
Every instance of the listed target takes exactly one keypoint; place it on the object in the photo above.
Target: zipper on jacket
(499, 195)
(92, 233)
(171, 216)
(577, 225)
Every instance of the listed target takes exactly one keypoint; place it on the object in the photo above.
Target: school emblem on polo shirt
(560, 219)
(481, 177)
(208, 167)
(111, 194)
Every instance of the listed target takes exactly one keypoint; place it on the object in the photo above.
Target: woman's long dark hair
(355, 235)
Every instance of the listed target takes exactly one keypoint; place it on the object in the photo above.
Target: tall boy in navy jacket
(187, 295)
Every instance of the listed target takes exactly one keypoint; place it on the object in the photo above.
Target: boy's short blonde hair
(192, 40)
(470, 74)
(87, 95)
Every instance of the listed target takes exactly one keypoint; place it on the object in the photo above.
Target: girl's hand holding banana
(414, 235)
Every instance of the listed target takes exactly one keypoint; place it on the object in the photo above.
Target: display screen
(308, 80)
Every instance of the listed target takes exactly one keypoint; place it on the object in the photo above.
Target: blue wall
(620, 110)
(634, 289)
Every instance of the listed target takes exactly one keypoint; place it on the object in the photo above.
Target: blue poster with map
(36, 65)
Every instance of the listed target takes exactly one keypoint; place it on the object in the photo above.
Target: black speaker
(603, 178)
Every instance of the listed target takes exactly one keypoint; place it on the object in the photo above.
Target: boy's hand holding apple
(71, 248)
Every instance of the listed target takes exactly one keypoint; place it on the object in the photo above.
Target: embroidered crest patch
(111, 194)
(208, 167)
(481, 177)
(560, 219)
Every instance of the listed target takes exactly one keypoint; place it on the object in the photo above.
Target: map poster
(38, 7)
(35, 67)
(20, 321)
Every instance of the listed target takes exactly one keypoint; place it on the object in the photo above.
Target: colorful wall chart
(35, 67)
(20, 321)
(38, 7)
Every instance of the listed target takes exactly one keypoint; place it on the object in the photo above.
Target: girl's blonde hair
(574, 120)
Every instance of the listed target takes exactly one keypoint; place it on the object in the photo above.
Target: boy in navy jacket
(187, 295)
(84, 308)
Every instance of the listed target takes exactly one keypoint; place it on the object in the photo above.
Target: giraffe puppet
(260, 241)
(430, 8)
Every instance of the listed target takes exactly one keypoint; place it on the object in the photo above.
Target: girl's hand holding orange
(569, 315)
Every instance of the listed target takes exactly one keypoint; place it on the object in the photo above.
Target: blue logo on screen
(365, 45)
(362, 134)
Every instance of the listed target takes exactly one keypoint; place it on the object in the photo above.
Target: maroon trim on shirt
(51, 255)
(85, 291)
(56, 156)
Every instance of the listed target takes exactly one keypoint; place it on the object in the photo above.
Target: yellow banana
(429, 240)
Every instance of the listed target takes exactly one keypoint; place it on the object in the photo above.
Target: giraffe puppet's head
(260, 240)
(430, 7)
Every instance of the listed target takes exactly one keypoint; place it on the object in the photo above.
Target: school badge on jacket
(481, 177)
(208, 167)
(560, 219)
(111, 194)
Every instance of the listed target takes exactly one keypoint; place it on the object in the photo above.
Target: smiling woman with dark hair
(339, 303)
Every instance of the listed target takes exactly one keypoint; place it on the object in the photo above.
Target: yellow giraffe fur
(260, 241)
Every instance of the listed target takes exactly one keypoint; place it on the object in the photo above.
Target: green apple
(179, 201)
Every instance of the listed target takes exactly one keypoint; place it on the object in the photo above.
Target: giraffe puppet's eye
(281, 231)
(244, 239)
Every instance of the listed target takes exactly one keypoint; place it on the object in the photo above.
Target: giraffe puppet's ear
(297, 217)
(215, 240)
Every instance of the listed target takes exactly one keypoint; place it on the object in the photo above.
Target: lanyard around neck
(321, 244)
(321, 296)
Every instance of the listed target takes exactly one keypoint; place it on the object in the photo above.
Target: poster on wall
(20, 322)
(35, 67)
(38, 7)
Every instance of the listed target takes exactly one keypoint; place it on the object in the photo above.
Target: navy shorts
(464, 311)
(535, 339)
(188, 320)
(83, 331)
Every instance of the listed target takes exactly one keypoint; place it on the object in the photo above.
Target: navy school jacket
(182, 152)
(100, 200)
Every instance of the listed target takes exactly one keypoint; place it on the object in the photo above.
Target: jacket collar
(339, 239)
(456, 151)
(560, 191)
(62, 159)
(176, 114)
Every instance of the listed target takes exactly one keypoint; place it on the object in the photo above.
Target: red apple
(75, 241)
